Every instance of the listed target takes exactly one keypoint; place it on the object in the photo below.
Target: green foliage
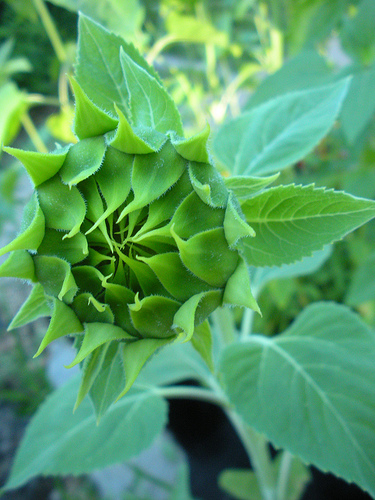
(126, 429)
(139, 248)
(280, 132)
(324, 360)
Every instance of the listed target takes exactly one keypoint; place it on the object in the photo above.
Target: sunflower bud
(131, 238)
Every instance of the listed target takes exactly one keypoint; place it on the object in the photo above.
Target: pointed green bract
(245, 187)
(63, 208)
(126, 140)
(114, 180)
(97, 334)
(63, 322)
(201, 253)
(34, 227)
(73, 249)
(202, 343)
(88, 309)
(89, 120)
(153, 175)
(235, 226)
(149, 103)
(153, 316)
(19, 264)
(56, 277)
(194, 148)
(208, 184)
(135, 354)
(83, 160)
(238, 291)
(34, 307)
(174, 276)
(194, 311)
(39, 166)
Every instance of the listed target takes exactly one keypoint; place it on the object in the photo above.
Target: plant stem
(159, 46)
(50, 27)
(32, 132)
(284, 475)
(256, 447)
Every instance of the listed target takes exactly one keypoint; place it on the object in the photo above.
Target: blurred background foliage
(217, 59)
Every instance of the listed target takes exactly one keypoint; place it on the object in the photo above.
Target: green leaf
(109, 380)
(32, 229)
(237, 290)
(55, 275)
(95, 335)
(208, 184)
(172, 364)
(194, 148)
(135, 354)
(311, 389)
(90, 310)
(359, 105)
(201, 340)
(34, 307)
(63, 207)
(280, 132)
(99, 71)
(73, 249)
(89, 120)
(305, 71)
(362, 285)
(153, 316)
(260, 276)
(114, 179)
(153, 174)
(58, 442)
(127, 141)
(201, 252)
(63, 322)
(174, 276)
(19, 264)
(245, 187)
(149, 103)
(39, 166)
(83, 160)
(292, 221)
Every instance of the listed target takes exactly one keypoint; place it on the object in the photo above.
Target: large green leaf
(99, 70)
(260, 276)
(59, 441)
(311, 390)
(359, 105)
(292, 221)
(307, 70)
(280, 132)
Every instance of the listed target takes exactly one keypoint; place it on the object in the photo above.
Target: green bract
(131, 236)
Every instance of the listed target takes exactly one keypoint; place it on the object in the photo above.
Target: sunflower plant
(150, 259)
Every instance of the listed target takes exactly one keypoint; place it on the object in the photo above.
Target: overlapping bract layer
(132, 240)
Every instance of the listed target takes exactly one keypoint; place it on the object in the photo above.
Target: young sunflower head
(131, 239)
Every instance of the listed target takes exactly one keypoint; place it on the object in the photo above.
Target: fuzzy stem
(256, 447)
(284, 475)
(32, 132)
(50, 27)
